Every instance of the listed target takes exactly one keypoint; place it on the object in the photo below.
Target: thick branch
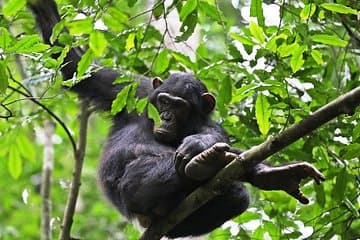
(345, 104)
(76, 180)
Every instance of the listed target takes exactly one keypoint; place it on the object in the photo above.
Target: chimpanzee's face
(182, 102)
(174, 112)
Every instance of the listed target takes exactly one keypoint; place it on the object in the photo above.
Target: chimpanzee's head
(184, 104)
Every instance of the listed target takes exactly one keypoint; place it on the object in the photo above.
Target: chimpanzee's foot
(286, 178)
(206, 164)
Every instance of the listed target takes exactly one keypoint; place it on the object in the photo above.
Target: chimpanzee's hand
(205, 164)
(287, 178)
(190, 147)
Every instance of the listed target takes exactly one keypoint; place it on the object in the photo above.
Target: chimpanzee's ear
(208, 102)
(156, 82)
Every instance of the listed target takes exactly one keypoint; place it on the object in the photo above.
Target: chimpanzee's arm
(99, 86)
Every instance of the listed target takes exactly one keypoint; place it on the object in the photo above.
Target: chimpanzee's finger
(299, 196)
(313, 173)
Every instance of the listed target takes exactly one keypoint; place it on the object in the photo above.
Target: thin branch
(345, 104)
(76, 180)
(9, 115)
(147, 11)
(53, 115)
(46, 179)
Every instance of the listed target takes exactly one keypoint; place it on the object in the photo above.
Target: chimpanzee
(145, 170)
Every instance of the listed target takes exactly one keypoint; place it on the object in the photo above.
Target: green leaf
(56, 31)
(12, 7)
(81, 26)
(256, 10)
(297, 59)
(97, 43)
(4, 78)
(162, 62)
(84, 62)
(262, 114)
(308, 11)
(184, 60)
(188, 26)
(25, 147)
(130, 42)
(141, 105)
(317, 56)
(153, 114)
(339, 8)
(356, 132)
(5, 38)
(354, 210)
(352, 151)
(225, 90)
(243, 39)
(14, 162)
(115, 19)
(29, 44)
(131, 3)
(62, 56)
(187, 9)
(287, 50)
(329, 40)
(120, 101)
(159, 10)
(257, 32)
(340, 185)
(209, 10)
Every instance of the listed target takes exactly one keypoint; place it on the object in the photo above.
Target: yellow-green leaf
(130, 42)
(162, 62)
(97, 43)
(188, 8)
(85, 62)
(153, 114)
(80, 26)
(257, 32)
(308, 11)
(297, 60)
(120, 101)
(339, 8)
(329, 40)
(242, 39)
(4, 78)
(317, 56)
(262, 114)
(14, 162)
(12, 7)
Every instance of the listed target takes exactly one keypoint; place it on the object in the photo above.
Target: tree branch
(76, 180)
(46, 178)
(345, 104)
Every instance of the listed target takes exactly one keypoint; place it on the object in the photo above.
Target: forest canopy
(270, 64)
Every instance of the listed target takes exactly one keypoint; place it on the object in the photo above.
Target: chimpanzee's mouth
(167, 135)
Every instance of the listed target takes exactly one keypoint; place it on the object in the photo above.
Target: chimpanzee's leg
(214, 213)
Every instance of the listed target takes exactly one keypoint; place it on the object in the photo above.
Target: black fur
(137, 172)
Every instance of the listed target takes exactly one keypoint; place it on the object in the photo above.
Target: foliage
(266, 75)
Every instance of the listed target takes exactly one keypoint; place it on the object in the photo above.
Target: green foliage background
(266, 77)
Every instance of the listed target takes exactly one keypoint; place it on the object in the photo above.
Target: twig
(345, 104)
(9, 115)
(147, 11)
(46, 178)
(76, 180)
(53, 115)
